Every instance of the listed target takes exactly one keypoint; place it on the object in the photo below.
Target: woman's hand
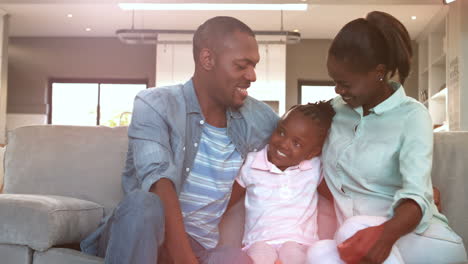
(374, 244)
(369, 245)
(437, 200)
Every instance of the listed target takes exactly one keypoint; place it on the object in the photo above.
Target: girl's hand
(369, 245)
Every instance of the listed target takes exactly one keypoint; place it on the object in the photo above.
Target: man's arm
(149, 138)
(175, 236)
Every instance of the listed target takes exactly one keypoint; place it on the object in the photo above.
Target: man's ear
(207, 59)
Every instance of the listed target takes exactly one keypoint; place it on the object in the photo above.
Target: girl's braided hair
(321, 112)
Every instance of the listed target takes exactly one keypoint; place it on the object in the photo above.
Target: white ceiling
(323, 19)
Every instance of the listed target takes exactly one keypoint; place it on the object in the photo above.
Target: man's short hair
(214, 31)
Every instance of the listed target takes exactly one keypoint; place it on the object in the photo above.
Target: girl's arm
(238, 193)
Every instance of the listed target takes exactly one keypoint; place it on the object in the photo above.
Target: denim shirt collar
(192, 105)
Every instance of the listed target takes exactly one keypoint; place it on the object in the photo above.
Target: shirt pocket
(377, 162)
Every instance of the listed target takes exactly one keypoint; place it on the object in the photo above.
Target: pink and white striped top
(280, 205)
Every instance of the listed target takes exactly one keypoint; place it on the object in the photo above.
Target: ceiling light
(88, 29)
(296, 30)
(69, 15)
(413, 17)
(192, 6)
(172, 36)
(448, 1)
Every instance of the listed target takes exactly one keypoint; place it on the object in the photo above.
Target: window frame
(97, 81)
(302, 82)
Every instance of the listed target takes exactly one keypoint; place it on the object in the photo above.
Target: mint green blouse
(373, 162)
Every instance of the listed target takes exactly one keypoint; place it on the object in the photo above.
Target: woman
(378, 157)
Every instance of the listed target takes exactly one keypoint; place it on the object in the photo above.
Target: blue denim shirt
(164, 136)
(166, 129)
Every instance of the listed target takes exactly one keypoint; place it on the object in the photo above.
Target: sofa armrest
(42, 221)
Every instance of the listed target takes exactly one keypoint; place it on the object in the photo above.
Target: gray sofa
(59, 181)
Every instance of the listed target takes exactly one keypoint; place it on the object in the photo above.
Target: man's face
(234, 69)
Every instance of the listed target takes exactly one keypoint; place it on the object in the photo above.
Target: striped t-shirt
(206, 192)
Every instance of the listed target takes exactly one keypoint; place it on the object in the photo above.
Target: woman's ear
(381, 72)
(206, 58)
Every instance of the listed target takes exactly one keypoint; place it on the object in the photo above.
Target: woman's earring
(381, 79)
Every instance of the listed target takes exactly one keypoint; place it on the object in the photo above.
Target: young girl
(281, 182)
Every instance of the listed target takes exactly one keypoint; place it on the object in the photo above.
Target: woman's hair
(321, 112)
(377, 39)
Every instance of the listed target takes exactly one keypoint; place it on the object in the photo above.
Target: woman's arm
(411, 208)
(374, 244)
(325, 191)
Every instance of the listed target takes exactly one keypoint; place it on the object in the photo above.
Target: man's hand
(370, 245)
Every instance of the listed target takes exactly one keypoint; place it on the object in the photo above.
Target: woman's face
(356, 89)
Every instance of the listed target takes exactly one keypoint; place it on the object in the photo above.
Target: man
(186, 145)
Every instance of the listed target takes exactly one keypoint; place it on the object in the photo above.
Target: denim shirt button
(187, 169)
(195, 145)
(255, 150)
(202, 122)
(183, 148)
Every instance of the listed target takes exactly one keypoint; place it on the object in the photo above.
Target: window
(93, 103)
(314, 91)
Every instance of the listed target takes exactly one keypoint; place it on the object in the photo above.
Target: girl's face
(296, 138)
(357, 89)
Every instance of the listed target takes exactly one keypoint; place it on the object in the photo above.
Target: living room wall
(33, 61)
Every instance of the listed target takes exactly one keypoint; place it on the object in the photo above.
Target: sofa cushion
(450, 175)
(2, 152)
(64, 255)
(15, 254)
(40, 221)
(81, 162)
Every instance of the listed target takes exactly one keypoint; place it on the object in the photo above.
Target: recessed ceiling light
(88, 29)
(413, 17)
(69, 15)
(448, 1)
(296, 30)
(192, 6)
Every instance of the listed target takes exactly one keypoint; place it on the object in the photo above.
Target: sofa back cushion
(2, 152)
(450, 175)
(80, 162)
